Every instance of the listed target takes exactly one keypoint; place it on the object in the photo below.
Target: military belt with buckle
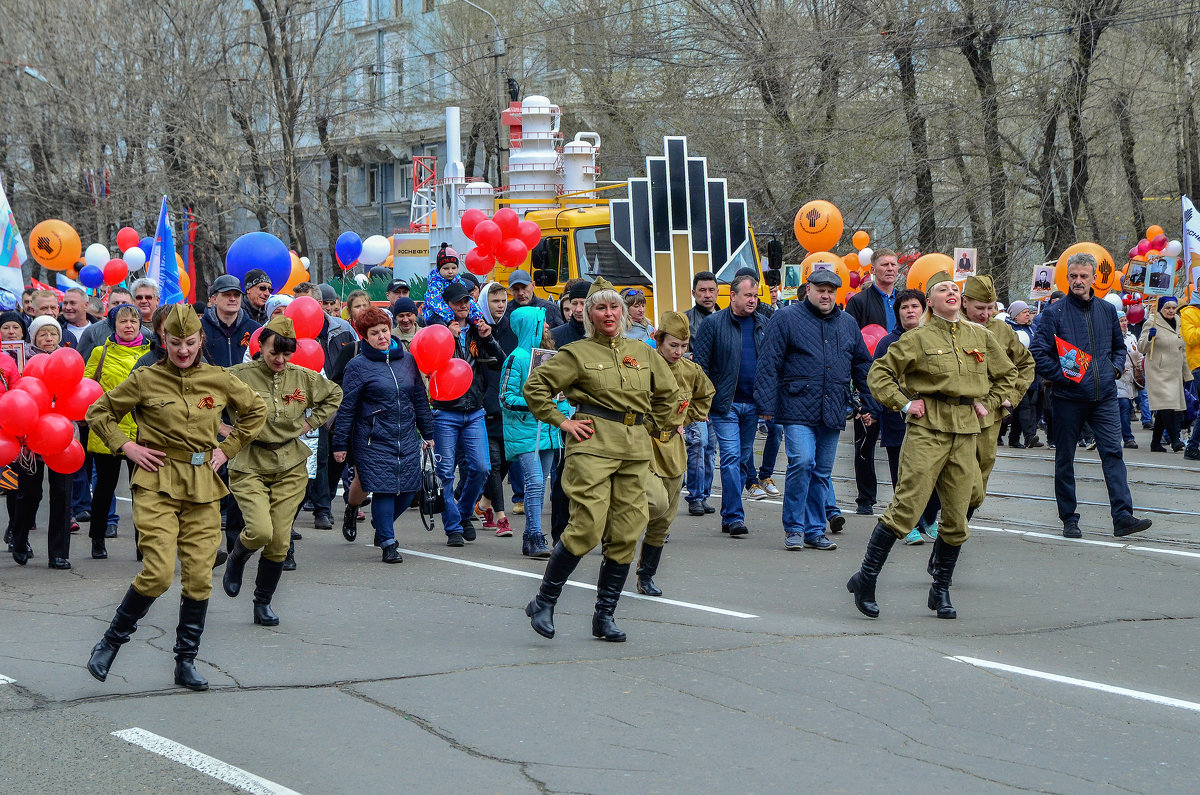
(627, 418)
(189, 456)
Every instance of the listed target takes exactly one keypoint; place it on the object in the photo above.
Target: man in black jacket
(258, 290)
(727, 350)
(520, 284)
(461, 421)
(700, 438)
(873, 306)
(1080, 351)
(227, 327)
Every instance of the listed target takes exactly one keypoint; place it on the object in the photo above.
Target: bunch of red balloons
(871, 335)
(433, 350)
(504, 239)
(308, 318)
(41, 408)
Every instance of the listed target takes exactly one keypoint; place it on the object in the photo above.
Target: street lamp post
(498, 51)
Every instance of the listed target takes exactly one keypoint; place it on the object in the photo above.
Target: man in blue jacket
(1080, 351)
(726, 348)
(810, 354)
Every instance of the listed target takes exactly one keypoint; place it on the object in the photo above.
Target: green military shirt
(618, 374)
(696, 391)
(288, 397)
(954, 360)
(1021, 358)
(178, 412)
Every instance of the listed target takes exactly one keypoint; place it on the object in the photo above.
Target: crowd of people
(585, 404)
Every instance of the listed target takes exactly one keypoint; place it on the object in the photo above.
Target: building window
(372, 185)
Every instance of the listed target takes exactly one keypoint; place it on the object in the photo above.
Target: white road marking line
(204, 763)
(4, 680)
(1140, 695)
(534, 576)
(1093, 542)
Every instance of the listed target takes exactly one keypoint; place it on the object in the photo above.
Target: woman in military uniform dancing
(616, 385)
(270, 475)
(957, 373)
(176, 491)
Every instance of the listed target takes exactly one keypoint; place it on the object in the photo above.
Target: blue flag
(162, 266)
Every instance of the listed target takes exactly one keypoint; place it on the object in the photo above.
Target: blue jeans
(735, 432)
(770, 451)
(1126, 406)
(1194, 441)
(450, 430)
(702, 459)
(384, 509)
(536, 467)
(81, 489)
(1144, 407)
(516, 479)
(809, 484)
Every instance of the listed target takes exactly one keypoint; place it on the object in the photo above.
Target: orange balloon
(851, 261)
(298, 274)
(1106, 270)
(185, 283)
(54, 244)
(818, 226)
(861, 239)
(1153, 232)
(921, 270)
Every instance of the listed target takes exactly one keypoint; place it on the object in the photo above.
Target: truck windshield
(599, 257)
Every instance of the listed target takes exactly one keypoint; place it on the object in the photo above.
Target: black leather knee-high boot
(187, 643)
(235, 567)
(269, 572)
(133, 608)
(943, 573)
(862, 584)
(647, 568)
(608, 591)
(541, 608)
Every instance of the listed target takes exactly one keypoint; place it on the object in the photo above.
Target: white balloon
(864, 255)
(97, 254)
(1173, 249)
(375, 250)
(305, 260)
(135, 258)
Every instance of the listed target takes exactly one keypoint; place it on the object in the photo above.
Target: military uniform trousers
(608, 504)
(662, 502)
(985, 454)
(168, 526)
(934, 459)
(268, 504)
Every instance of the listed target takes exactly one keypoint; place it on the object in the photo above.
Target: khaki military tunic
(269, 476)
(177, 507)
(605, 475)
(668, 466)
(949, 366)
(989, 436)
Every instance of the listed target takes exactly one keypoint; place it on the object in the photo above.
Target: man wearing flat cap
(811, 353)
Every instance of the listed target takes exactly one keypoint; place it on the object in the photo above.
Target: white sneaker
(769, 486)
(755, 492)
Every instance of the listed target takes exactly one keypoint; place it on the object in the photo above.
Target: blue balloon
(91, 276)
(146, 244)
(348, 249)
(260, 250)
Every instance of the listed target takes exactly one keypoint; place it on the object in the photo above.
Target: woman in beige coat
(1167, 373)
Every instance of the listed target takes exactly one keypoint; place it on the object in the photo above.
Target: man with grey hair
(726, 348)
(1080, 351)
(74, 315)
(145, 298)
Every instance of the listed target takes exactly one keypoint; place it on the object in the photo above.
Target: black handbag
(433, 501)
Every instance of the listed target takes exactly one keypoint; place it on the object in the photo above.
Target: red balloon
(36, 389)
(10, 448)
(471, 219)
(307, 316)
(1135, 315)
(127, 238)
(1133, 252)
(310, 354)
(479, 263)
(529, 233)
(75, 405)
(254, 346)
(512, 253)
(872, 334)
(115, 271)
(18, 410)
(1159, 242)
(68, 461)
(1143, 246)
(855, 280)
(50, 435)
(35, 366)
(432, 347)
(451, 381)
(488, 236)
(509, 222)
(63, 371)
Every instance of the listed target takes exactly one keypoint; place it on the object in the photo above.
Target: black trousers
(319, 490)
(935, 503)
(29, 498)
(1070, 416)
(560, 505)
(108, 473)
(493, 487)
(865, 439)
(1024, 417)
(1166, 420)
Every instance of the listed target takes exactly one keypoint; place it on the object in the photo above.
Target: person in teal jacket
(526, 440)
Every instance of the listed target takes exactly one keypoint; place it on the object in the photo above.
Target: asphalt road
(426, 676)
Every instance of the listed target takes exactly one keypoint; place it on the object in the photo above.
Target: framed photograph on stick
(966, 263)
(1043, 282)
(1160, 275)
